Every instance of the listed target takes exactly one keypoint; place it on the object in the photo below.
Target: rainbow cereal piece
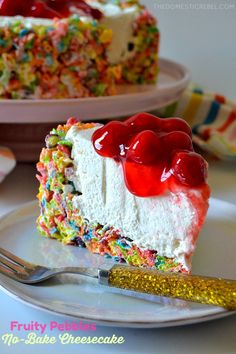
(59, 220)
(143, 68)
(69, 58)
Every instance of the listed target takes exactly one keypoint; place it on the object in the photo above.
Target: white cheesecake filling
(159, 223)
(120, 21)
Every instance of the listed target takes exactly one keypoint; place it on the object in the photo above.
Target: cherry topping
(16, 7)
(176, 124)
(144, 180)
(72, 121)
(142, 121)
(61, 6)
(86, 8)
(47, 8)
(189, 168)
(177, 140)
(39, 9)
(109, 140)
(154, 153)
(145, 148)
(56, 3)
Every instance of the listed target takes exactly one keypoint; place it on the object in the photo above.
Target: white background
(204, 40)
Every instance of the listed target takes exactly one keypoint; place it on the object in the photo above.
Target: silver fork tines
(12, 266)
(15, 259)
(25, 272)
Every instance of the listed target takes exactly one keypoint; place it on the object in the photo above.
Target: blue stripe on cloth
(214, 110)
(211, 117)
(198, 90)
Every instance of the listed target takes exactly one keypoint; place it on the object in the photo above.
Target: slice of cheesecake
(132, 190)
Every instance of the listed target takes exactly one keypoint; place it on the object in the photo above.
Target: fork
(29, 273)
(205, 290)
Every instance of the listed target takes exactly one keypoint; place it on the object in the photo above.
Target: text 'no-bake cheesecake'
(132, 190)
(75, 48)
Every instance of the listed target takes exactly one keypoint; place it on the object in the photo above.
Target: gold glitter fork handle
(206, 290)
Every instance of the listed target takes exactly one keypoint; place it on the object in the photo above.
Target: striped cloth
(7, 162)
(212, 118)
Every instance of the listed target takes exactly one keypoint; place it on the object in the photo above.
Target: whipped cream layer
(162, 223)
(119, 20)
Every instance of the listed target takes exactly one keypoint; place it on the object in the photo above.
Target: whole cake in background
(75, 48)
(134, 190)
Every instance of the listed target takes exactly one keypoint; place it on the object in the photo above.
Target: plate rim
(30, 301)
(110, 323)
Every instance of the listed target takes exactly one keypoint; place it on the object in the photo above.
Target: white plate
(82, 298)
(173, 79)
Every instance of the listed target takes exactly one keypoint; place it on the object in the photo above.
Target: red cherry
(176, 141)
(16, 7)
(189, 168)
(109, 140)
(46, 8)
(6, 8)
(55, 3)
(87, 9)
(72, 121)
(63, 7)
(144, 180)
(40, 9)
(145, 148)
(144, 121)
(176, 124)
